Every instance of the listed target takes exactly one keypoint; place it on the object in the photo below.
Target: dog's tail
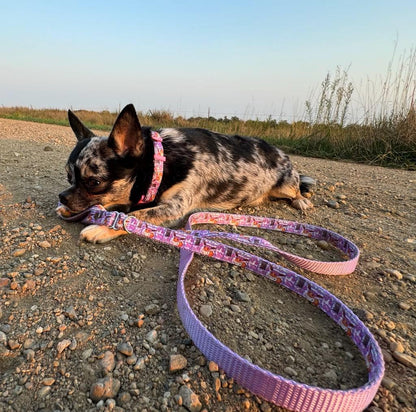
(306, 184)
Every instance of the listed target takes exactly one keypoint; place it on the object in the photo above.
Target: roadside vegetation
(382, 133)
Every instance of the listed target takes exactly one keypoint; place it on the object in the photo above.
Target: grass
(385, 134)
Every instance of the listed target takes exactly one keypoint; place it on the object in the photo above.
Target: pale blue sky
(244, 58)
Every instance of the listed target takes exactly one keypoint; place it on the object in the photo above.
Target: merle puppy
(199, 169)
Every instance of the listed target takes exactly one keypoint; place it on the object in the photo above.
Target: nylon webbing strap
(273, 388)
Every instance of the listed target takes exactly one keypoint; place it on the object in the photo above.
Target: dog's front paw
(302, 203)
(99, 234)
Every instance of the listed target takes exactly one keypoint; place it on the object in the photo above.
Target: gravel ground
(94, 327)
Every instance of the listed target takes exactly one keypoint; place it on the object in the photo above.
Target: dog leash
(271, 387)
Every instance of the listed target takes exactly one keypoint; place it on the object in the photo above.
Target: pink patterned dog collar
(159, 159)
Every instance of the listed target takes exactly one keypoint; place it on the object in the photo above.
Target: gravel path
(94, 327)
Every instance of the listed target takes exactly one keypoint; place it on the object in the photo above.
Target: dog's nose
(63, 197)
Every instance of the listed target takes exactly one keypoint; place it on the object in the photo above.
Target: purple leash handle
(271, 387)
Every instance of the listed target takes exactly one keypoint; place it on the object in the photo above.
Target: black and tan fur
(203, 169)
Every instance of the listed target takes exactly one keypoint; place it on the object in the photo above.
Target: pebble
(140, 364)
(44, 244)
(396, 347)
(242, 296)
(4, 282)
(125, 348)
(44, 391)
(124, 398)
(152, 309)
(404, 305)
(333, 204)
(63, 344)
(395, 273)
(323, 244)
(177, 362)
(404, 359)
(108, 362)
(212, 366)
(331, 375)
(48, 381)
(290, 371)
(19, 252)
(151, 337)
(13, 344)
(105, 388)
(205, 310)
(189, 399)
(388, 383)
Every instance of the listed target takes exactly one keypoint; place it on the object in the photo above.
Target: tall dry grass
(384, 133)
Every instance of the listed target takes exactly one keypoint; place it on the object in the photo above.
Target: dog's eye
(93, 182)
(69, 177)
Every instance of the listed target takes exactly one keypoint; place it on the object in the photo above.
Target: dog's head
(101, 169)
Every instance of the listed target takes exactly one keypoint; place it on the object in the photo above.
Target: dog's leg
(100, 234)
(292, 193)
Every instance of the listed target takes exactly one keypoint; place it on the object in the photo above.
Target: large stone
(190, 399)
(104, 389)
(108, 362)
(177, 362)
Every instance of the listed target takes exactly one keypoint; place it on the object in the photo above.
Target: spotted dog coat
(203, 169)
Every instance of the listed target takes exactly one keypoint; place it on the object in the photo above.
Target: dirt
(73, 313)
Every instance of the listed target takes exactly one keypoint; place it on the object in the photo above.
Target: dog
(198, 169)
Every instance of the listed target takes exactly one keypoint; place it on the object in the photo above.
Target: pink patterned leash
(273, 388)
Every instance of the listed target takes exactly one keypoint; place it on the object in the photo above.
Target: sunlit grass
(384, 133)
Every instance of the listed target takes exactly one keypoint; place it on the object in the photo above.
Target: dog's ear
(81, 132)
(126, 137)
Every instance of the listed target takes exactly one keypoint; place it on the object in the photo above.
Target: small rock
(394, 273)
(235, 308)
(212, 366)
(388, 383)
(62, 345)
(404, 305)
(44, 391)
(152, 309)
(4, 282)
(70, 313)
(205, 310)
(131, 360)
(140, 364)
(331, 375)
(404, 359)
(177, 362)
(396, 347)
(86, 354)
(333, 204)
(189, 399)
(19, 252)
(125, 348)
(104, 389)
(151, 337)
(124, 398)
(242, 296)
(323, 244)
(48, 381)
(28, 343)
(44, 244)
(108, 362)
(13, 344)
(290, 371)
